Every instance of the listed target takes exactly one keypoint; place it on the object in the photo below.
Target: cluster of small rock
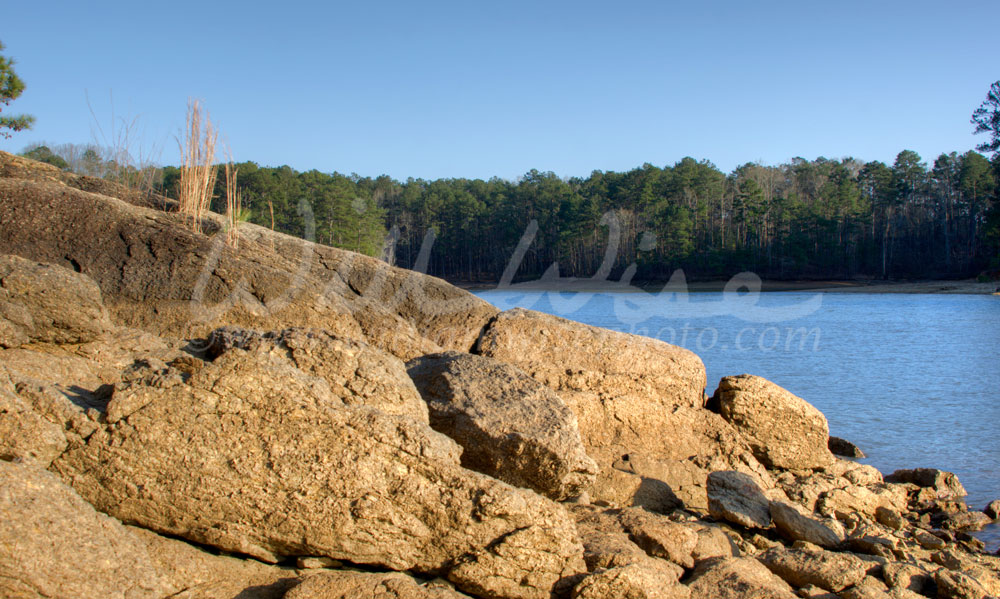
(376, 445)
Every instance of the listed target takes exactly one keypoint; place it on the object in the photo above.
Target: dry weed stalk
(234, 204)
(118, 155)
(198, 172)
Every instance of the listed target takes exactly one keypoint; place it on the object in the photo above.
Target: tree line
(825, 218)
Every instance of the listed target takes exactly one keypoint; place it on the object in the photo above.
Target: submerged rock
(509, 425)
(845, 448)
(944, 484)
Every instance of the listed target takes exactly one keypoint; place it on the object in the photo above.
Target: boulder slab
(783, 430)
(509, 425)
(255, 457)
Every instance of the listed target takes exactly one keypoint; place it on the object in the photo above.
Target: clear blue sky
(477, 89)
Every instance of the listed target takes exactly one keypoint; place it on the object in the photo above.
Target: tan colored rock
(606, 545)
(658, 536)
(735, 497)
(796, 526)
(889, 517)
(713, 542)
(957, 585)
(863, 592)
(840, 503)
(530, 563)
(811, 591)
(53, 544)
(26, 435)
(633, 396)
(253, 456)
(48, 304)
(736, 578)
(966, 521)
(345, 584)
(358, 373)
(197, 574)
(569, 355)
(784, 431)
(629, 582)
(829, 570)
(672, 468)
(928, 540)
(509, 425)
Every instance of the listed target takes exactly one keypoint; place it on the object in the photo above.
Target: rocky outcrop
(509, 425)
(157, 274)
(783, 430)
(638, 402)
(294, 471)
(311, 445)
(42, 303)
(993, 509)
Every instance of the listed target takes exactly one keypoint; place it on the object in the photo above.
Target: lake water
(914, 380)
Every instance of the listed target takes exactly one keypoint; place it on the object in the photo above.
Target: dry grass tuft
(198, 172)
(234, 205)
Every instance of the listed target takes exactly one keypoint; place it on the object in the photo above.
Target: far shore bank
(965, 286)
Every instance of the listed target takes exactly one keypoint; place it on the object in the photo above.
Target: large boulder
(53, 544)
(156, 274)
(47, 303)
(638, 402)
(509, 425)
(253, 456)
(783, 430)
(357, 373)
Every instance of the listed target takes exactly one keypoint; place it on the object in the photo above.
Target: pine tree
(11, 87)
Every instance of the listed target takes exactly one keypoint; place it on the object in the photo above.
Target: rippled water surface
(914, 380)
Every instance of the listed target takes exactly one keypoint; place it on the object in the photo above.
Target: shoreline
(965, 286)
